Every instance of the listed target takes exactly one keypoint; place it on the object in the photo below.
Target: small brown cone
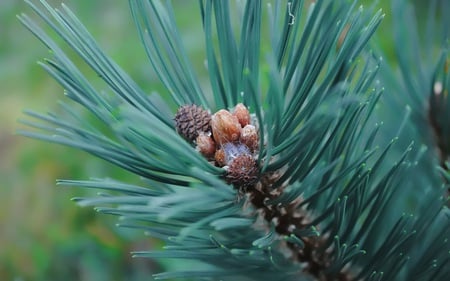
(242, 171)
(192, 119)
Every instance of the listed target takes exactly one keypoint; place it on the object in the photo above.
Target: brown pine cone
(191, 120)
(242, 171)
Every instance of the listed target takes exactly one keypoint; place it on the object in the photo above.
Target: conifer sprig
(421, 86)
(325, 205)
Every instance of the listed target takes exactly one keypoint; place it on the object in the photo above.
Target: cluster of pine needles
(342, 175)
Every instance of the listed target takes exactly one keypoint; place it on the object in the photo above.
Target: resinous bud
(249, 137)
(242, 114)
(225, 127)
(206, 145)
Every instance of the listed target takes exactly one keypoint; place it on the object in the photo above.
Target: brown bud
(225, 127)
(220, 158)
(242, 114)
(192, 119)
(242, 171)
(206, 145)
(249, 137)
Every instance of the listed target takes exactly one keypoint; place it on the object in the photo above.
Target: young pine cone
(191, 120)
(242, 171)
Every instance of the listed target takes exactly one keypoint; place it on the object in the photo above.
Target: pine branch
(422, 74)
(422, 78)
(320, 198)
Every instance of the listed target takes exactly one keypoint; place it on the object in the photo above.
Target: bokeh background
(44, 235)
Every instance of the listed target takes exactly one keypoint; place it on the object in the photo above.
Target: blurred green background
(43, 235)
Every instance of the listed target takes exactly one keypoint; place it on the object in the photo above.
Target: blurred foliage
(44, 236)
